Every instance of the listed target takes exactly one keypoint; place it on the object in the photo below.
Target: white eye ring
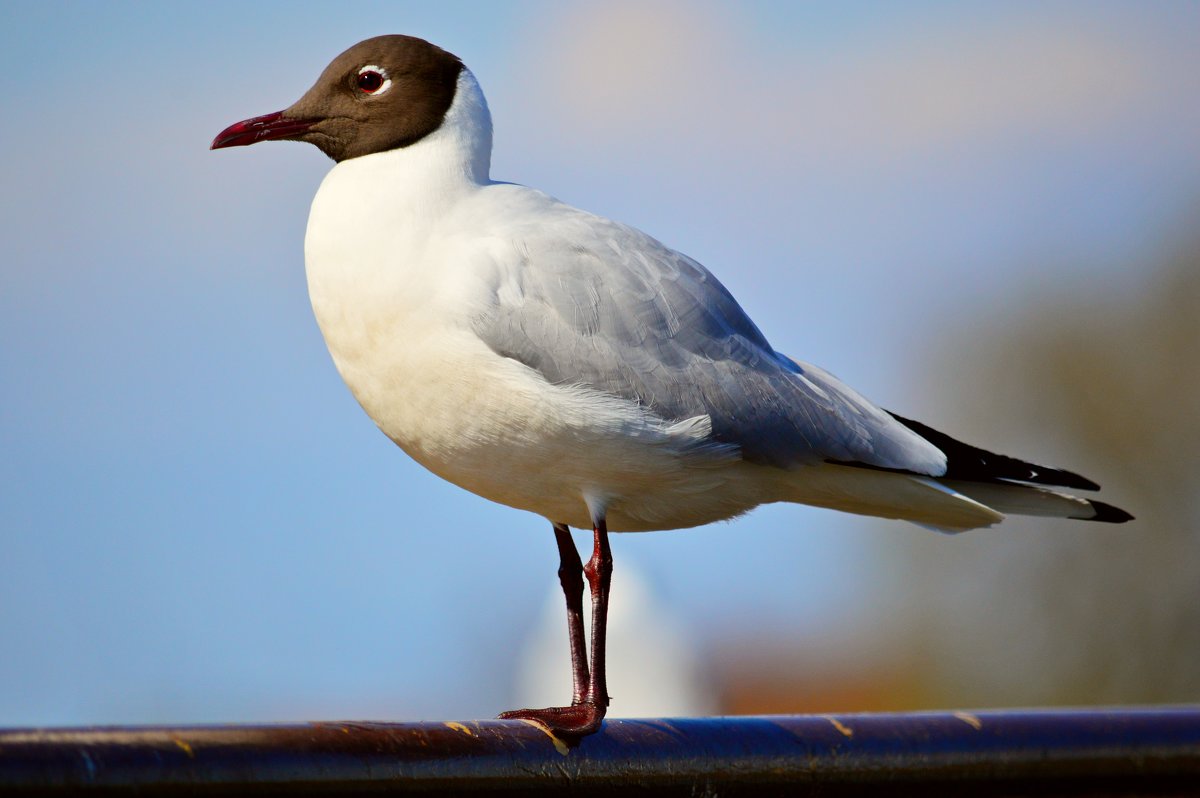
(363, 86)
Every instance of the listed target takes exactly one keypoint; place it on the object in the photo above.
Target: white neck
(398, 196)
(467, 129)
(425, 175)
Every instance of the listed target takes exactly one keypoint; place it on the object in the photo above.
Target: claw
(570, 723)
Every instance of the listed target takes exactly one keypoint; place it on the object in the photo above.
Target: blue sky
(199, 524)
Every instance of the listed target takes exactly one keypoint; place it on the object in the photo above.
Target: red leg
(599, 575)
(588, 705)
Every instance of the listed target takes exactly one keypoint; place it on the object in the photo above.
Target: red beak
(260, 128)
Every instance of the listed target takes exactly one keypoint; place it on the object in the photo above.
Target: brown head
(381, 94)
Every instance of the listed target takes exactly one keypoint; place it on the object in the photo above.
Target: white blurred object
(654, 667)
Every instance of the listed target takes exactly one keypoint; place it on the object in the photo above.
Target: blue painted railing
(1144, 751)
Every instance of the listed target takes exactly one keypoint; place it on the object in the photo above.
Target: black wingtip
(970, 463)
(1108, 514)
(1073, 480)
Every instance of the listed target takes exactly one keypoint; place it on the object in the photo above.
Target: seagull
(566, 364)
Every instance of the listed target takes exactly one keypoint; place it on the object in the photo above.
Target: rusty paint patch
(969, 719)
(458, 727)
(559, 744)
(841, 727)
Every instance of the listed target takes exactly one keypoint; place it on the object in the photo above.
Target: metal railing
(1077, 752)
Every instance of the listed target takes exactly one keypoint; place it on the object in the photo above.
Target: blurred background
(983, 216)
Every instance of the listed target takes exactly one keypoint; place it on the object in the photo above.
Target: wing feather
(590, 302)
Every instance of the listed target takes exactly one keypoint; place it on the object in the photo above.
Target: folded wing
(586, 301)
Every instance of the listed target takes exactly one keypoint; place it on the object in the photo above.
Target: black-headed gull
(562, 363)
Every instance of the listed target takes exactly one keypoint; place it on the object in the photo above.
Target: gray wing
(603, 305)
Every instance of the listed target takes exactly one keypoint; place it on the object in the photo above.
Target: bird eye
(372, 80)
